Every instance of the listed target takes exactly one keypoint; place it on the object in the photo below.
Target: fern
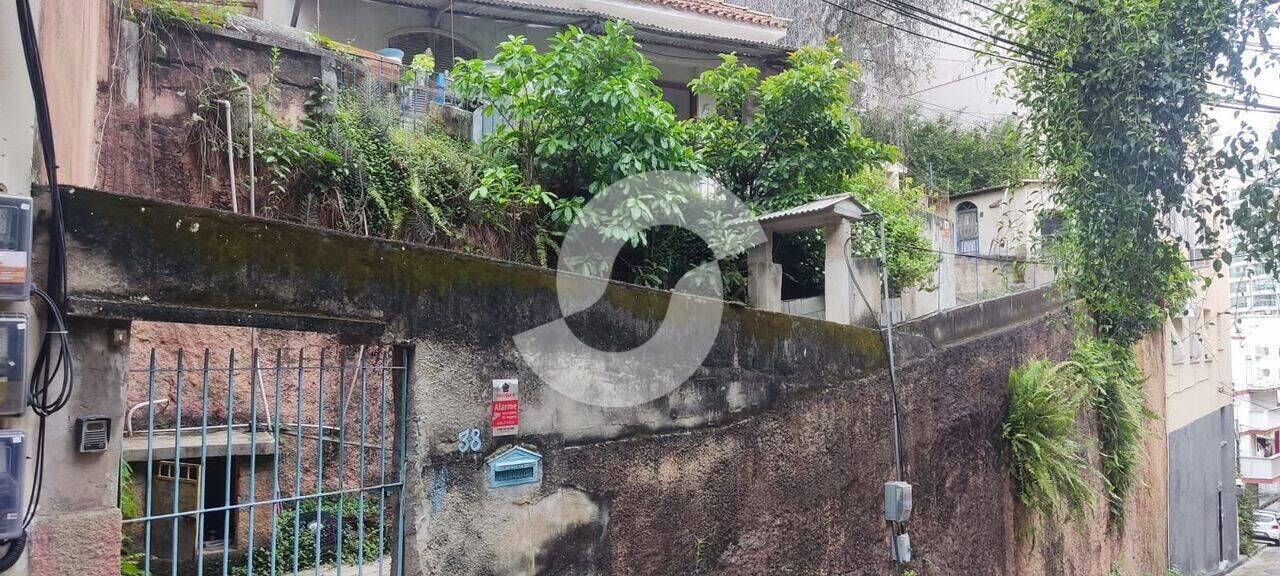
(1046, 460)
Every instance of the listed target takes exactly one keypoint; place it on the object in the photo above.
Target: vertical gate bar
(177, 464)
(151, 425)
(404, 438)
(204, 458)
(253, 453)
(382, 463)
(319, 461)
(275, 469)
(226, 514)
(297, 465)
(342, 452)
(364, 400)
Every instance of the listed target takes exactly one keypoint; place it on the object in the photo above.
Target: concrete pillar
(837, 283)
(764, 278)
(77, 530)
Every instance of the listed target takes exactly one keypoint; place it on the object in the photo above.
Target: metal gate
(265, 464)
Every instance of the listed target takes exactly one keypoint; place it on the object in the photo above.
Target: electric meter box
(13, 456)
(13, 364)
(15, 247)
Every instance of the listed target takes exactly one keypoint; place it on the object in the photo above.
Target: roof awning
(815, 214)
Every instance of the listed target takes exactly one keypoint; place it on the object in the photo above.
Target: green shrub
(1245, 507)
(1046, 460)
(1109, 374)
(354, 549)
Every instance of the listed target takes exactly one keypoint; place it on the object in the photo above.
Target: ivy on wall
(1117, 99)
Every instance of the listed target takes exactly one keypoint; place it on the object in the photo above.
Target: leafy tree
(950, 157)
(576, 118)
(790, 139)
(1116, 94)
(1116, 97)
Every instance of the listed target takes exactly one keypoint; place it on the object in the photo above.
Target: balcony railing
(1259, 420)
(1260, 469)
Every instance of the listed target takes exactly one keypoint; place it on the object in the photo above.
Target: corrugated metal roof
(815, 206)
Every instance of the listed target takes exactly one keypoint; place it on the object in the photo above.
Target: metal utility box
(93, 434)
(13, 455)
(897, 501)
(13, 364)
(15, 247)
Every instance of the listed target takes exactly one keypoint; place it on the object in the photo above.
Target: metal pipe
(128, 418)
(253, 201)
(893, 371)
(231, 155)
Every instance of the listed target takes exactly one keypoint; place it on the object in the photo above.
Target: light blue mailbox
(517, 465)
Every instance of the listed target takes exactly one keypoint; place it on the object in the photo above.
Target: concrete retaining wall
(769, 460)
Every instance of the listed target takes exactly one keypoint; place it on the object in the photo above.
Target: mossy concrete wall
(770, 460)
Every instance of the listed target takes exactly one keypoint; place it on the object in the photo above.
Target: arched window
(446, 49)
(967, 228)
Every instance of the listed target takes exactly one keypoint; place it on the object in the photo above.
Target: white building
(1256, 367)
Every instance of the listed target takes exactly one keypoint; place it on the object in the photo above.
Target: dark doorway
(215, 496)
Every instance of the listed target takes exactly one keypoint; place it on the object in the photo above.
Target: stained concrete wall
(1203, 530)
(770, 459)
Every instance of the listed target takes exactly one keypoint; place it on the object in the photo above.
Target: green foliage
(1113, 383)
(950, 157)
(1246, 504)
(577, 117)
(351, 164)
(131, 564)
(184, 13)
(419, 68)
(1118, 111)
(798, 143)
(354, 548)
(1046, 460)
(129, 501)
(910, 261)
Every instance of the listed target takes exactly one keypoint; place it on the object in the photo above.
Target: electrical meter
(15, 247)
(13, 364)
(13, 455)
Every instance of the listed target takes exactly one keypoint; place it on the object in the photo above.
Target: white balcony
(1259, 420)
(1260, 469)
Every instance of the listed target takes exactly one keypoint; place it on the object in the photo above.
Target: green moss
(329, 43)
(185, 13)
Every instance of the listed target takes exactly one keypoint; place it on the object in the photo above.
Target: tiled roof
(723, 9)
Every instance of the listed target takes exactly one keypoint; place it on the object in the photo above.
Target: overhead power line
(943, 23)
(844, 8)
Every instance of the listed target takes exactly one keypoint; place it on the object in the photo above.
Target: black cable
(11, 556)
(844, 8)
(931, 18)
(47, 371)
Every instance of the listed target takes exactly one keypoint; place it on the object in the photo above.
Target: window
(446, 49)
(680, 97)
(1264, 300)
(967, 228)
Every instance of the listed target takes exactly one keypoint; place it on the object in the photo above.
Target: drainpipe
(231, 155)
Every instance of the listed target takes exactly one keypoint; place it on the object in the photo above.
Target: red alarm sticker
(505, 408)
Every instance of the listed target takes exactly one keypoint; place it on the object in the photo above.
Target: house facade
(682, 38)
